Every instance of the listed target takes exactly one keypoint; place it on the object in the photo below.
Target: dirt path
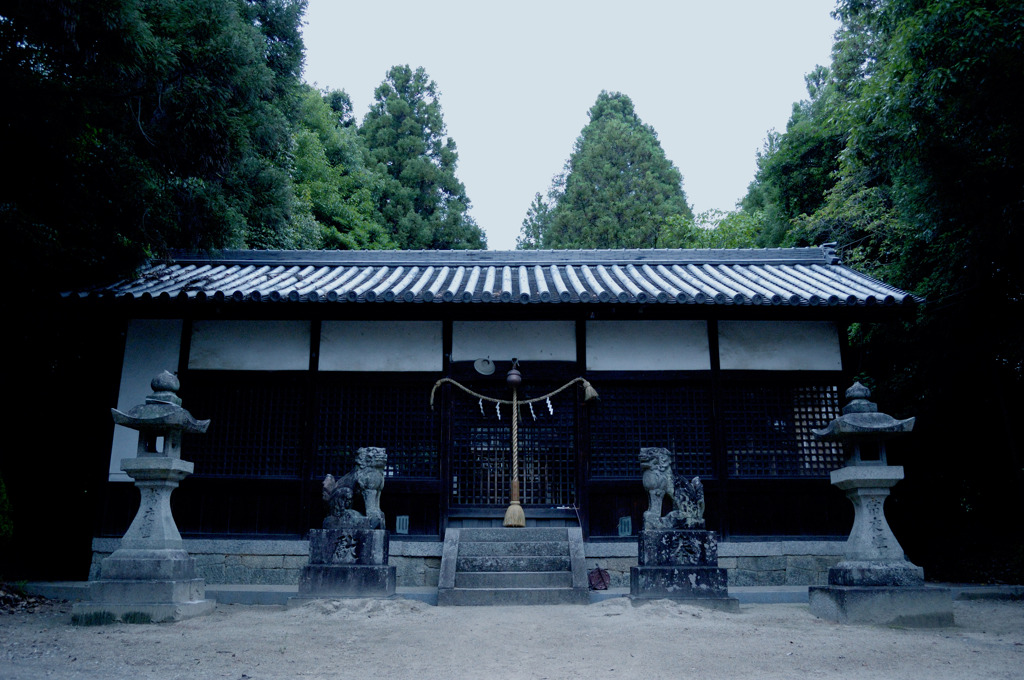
(408, 639)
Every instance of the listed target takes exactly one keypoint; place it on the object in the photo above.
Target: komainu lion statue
(687, 499)
(366, 478)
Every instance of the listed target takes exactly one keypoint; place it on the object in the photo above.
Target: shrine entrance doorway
(481, 451)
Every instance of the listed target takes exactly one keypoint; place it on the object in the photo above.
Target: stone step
(511, 596)
(513, 579)
(491, 563)
(505, 566)
(523, 535)
(511, 549)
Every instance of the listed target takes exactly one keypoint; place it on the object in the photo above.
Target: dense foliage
(142, 125)
(335, 192)
(6, 525)
(618, 189)
(910, 156)
(138, 126)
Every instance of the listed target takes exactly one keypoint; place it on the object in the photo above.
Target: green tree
(422, 202)
(926, 192)
(341, 104)
(145, 125)
(618, 189)
(928, 182)
(535, 224)
(796, 169)
(335, 192)
(712, 229)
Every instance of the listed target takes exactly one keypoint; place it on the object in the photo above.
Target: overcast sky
(516, 80)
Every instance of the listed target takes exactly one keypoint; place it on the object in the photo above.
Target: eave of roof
(782, 276)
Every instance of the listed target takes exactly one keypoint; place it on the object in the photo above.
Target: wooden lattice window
(633, 415)
(356, 412)
(255, 424)
(481, 464)
(767, 429)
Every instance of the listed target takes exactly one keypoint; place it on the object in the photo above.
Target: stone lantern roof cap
(862, 420)
(162, 410)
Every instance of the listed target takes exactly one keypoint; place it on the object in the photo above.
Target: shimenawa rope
(514, 516)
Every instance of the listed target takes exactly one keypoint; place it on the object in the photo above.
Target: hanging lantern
(514, 378)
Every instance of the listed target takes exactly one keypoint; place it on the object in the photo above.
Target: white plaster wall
(151, 347)
(250, 345)
(381, 346)
(524, 340)
(648, 345)
(779, 345)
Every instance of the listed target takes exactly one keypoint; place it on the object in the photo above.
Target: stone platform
(144, 586)
(905, 606)
(98, 612)
(349, 546)
(263, 594)
(876, 573)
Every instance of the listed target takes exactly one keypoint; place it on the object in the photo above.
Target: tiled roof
(784, 276)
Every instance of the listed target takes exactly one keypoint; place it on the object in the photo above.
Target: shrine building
(728, 358)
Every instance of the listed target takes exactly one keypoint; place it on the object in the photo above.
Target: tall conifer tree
(618, 190)
(423, 203)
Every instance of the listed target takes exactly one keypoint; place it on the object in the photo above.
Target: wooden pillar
(582, 434)
(719, 455)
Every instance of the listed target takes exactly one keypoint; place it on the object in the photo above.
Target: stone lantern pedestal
(874, 583)
(150, 577)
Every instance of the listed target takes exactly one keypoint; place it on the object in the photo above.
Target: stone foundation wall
(270, 562)
(753, 563)
(278, 562)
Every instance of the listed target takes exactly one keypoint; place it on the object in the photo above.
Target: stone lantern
(150, 577)
(874, 583)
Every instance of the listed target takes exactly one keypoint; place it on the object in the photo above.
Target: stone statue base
(347, 563)
(334, 580)
(680, 564)
(348, 546)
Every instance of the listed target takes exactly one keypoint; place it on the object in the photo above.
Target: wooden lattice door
(481, 454)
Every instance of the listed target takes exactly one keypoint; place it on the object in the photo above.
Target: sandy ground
(613, 639)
